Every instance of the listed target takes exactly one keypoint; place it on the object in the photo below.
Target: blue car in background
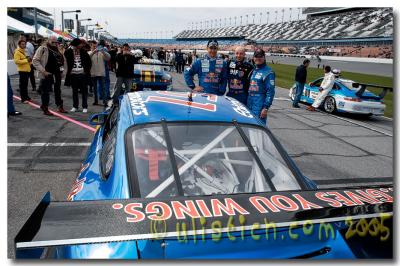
(151, 74)
(169, 176)
(346, 96)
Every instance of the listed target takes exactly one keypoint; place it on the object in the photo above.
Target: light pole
(267, 17)
(35, 21)
(85, 19)
(260, 17)
(298, 14)
(62, 17)
(254, 15)
(290, 16)
(283, 14)
(225, 22)
(276, 16)
(235, 21)
(230, 21)
(87, 28)
(247, 19)
(241, 17)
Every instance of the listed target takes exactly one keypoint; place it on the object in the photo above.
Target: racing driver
(211, 71)
(239, 72)
(262, 86)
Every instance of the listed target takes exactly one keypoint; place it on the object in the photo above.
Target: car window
(317, 83)
(209, 158)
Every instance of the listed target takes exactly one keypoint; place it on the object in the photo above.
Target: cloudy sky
(165, 22)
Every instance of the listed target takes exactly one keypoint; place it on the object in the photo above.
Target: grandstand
(356, 31)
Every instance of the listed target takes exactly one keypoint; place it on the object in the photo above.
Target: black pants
(23, 85)
(79, 82)
(45, 87)
(32, 77)
(180, 67)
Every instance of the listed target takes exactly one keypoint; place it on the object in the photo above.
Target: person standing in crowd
(161, 55)
(300, 78)
(78, 68)
(125, 66)
(98, 55)
(24, 69)
(239, 72)
(50, 64)
(179, 61)
(262, 87)
(30, 52)
(113, 59)
(10, 102)
(211, 71)
(107, 70)
(190, 59)
(324, 89)
(154, 55)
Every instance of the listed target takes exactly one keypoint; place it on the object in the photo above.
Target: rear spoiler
(100, 221)
(155, 64)
(363, 86)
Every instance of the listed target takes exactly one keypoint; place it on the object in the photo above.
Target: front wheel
(330, 104)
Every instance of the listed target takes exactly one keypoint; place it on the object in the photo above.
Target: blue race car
(175, 177)
(346, 96)
(151, 74)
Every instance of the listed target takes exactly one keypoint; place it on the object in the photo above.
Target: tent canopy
(16, 24)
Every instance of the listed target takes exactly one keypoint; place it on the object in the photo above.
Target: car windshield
(144, 67)
(207, 159)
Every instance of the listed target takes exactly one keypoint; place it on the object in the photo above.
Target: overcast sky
(135, 22)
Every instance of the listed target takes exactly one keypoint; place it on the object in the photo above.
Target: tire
(330, 105)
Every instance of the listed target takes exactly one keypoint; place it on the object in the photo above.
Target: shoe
(296, 106)
(62, 110)
(95, 103)
(84, 110)
(14, 113)
(46, 110)
(73, 110)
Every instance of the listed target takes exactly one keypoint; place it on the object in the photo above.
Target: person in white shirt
(324, 89)
(30, 52)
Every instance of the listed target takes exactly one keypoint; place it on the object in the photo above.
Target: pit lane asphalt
(333, 151)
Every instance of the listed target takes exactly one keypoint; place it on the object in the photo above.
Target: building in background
(27, 15)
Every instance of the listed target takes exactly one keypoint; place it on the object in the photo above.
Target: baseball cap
(212, 43)
(259, 53)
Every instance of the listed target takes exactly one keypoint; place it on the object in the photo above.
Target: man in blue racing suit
(262, 86)
(211, 71)
(239, 72)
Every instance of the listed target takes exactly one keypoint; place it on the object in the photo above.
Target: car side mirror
(98, 119)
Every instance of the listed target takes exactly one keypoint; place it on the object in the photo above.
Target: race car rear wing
(362, 87)
(100, 221)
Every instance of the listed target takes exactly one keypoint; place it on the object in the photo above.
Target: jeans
(10, 103)
(78, 82)
(298, 92)
(98, 82)
(118, 87)
(32, 77)
(45, 87)
(23, 85)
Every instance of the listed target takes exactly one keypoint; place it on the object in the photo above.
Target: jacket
(329, 80)
(125, 66)
(98, 68)
(239, 73)
(40, 59)
(212, 74)
(262, 89)
(301, 74)
(86, 63)
(21, 60)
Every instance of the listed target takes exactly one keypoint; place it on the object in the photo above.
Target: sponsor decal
(239, 108)
(258, 75)
(137, 104)
(232, 65)
(272, 82)
(76, 188)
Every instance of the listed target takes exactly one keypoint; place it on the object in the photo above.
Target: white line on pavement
(45, 144)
